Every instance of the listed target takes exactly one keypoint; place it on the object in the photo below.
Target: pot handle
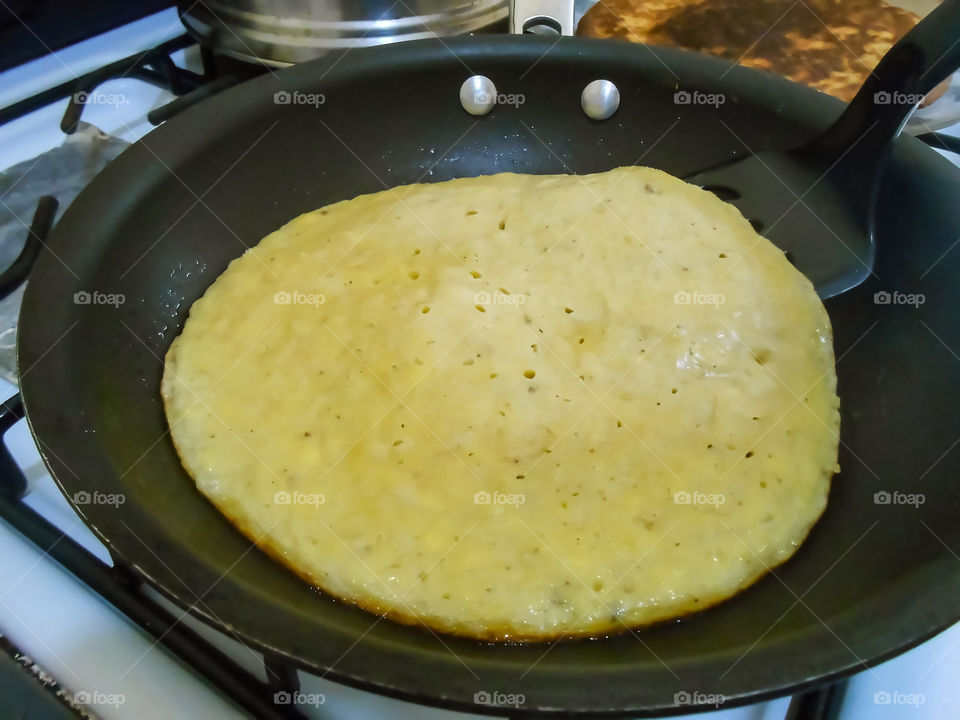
(555, 14)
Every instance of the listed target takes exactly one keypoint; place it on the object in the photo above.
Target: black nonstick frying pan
(879, 573)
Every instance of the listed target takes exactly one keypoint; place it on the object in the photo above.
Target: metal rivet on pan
(478, 95)
(600, 99)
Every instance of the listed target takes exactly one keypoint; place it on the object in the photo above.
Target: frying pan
(875, 577)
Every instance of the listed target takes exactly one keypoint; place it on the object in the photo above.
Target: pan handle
(528, 14)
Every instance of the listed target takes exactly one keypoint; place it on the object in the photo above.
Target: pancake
(514, 407)
(830, 45)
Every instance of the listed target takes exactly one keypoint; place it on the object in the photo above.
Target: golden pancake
(514, 406)
(830, 45)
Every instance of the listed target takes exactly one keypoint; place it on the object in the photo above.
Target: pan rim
(27, 355)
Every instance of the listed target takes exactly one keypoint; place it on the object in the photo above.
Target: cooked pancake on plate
(514, 406)
(830, 45)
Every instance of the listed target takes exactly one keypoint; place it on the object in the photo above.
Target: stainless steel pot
(282, 32)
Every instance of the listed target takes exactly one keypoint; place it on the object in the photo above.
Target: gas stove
(81, 634)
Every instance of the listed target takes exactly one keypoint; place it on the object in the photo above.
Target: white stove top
(90, 648)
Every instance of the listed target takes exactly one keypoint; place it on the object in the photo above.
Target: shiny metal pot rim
(278, 33)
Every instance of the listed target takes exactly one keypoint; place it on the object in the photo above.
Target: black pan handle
(43, 217)
(912, 68)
